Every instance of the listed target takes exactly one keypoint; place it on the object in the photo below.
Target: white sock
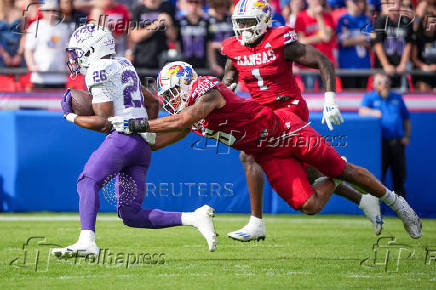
(86, 237)
(188, 219)
(389, 198)
(254, 221)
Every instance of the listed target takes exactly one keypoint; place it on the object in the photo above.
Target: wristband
(138, 126)
(330, 97)
(71, 117)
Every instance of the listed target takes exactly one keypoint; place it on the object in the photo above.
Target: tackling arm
(185, 119)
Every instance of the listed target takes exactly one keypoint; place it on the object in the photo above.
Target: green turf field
(299, 252)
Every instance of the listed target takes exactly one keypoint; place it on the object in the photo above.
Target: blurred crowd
(397, 36)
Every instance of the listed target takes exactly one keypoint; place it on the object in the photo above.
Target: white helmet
(174, 84)
(88, 43)
(251, 19)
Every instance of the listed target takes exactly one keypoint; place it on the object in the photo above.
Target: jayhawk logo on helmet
(175, 70)
(260, 4)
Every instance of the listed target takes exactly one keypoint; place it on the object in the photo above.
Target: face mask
(247, 34)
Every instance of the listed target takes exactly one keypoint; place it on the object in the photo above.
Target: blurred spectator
(316, 27)
(396, 128)
(193, 34)
(71, 16)
(354, 45)
(46, 40)
(291, 9)
(220, 28)
(424, 47)
(277, 18)
(115, 17)
(11, 52)
(154, 29)
(336, 4)
(393, 42)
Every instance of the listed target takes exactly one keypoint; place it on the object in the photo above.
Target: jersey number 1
(256, 73)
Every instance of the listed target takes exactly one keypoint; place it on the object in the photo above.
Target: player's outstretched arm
(164, 139)
(151, 103)
(308, 56)
(230, 74)
(185, 119)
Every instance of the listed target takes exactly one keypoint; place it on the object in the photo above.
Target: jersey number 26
(132, 90)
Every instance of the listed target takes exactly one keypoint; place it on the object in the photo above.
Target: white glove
(233, 86)
(120, 124)
(149, 137)
(331, 113)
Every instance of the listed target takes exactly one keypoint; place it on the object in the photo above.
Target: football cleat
(371, 207)
(249, 233)
(204, 223)
(412, 223)
(77, 249)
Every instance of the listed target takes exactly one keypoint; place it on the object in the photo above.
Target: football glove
(331, 113)
(66, 104)
(233, 86)
(120, 124)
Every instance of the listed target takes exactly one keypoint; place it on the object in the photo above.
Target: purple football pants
(131, 156)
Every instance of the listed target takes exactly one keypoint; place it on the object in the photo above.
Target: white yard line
(242, 218)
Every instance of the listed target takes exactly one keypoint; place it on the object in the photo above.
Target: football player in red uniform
(261, 57)
(209, 108)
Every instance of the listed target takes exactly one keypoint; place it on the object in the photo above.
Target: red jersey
(308, 25)
(239, 124)
(263, 69)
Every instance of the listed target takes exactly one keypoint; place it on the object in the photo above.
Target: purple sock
(149, 218)
(89, 202)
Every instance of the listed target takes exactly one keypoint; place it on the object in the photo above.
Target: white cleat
(78, 249)
(412, 223)
(371, 207)
(204, 223)
(249, 233)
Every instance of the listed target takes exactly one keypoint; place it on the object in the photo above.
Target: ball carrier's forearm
(95, 123)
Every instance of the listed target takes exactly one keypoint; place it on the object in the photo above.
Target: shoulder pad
(101, 72)
(227, 46)
(281, 36)
(201, 86)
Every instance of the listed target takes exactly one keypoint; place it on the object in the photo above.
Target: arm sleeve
(100, 95)
(339, 31)
(31, 39)
(379, 29)
(299, 23)
(404, 111)
(366, 101)
(98, 81)
(409, 35)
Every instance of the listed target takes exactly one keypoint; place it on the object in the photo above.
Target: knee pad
(128, 215)
(86, 184)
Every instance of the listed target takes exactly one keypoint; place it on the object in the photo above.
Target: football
(81, 103)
